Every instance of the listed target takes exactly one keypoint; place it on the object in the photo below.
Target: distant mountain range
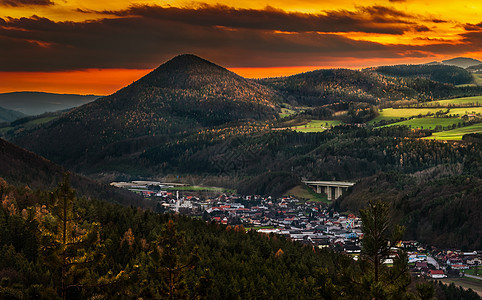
(36, 103)
(462, 62)
(8, 115)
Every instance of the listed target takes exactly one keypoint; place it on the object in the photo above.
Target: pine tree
(169, 264)
(383, 282)
(70, 247)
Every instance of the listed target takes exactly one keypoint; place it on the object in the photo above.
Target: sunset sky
(96, 47)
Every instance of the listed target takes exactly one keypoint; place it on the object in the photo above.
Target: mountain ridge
(36, 103)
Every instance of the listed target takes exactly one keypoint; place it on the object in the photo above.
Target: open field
(457, 101)
(398, 113)
(29, 124)
(316, 126)
(428, 122)
(197, 188)
(39, 121)
(478, 79)
(304, 192)
(456, 134)
(285, 112)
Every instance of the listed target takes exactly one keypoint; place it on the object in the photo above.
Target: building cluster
(305, 222)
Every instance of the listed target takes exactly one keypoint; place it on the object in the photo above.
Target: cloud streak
(144, 36)
(19, 3)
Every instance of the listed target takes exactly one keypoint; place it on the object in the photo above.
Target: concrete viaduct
(333, 189)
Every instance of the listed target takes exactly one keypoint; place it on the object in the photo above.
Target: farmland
(476, 100)
(429, 123)
(316, 126)
(456, 134)
(398, 113)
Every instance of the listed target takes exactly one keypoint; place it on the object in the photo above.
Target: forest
(58, 246)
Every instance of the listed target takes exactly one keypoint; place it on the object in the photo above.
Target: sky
(97, 47)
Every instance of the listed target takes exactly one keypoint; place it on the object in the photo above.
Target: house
(421, 266)
(437, 274)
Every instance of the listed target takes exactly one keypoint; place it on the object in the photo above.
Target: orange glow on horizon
(93, 81)
(107, 81)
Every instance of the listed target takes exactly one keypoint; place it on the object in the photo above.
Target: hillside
(462, 62)
(36, 103)
(438, 206)
(8, 115)
(328, 86)
(21, 167)
(441, 73)
(182, 96)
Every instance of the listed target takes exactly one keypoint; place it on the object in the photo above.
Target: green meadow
(428, 122)
(398, 113)
(477, 100)
(456, 134)
(316, 126)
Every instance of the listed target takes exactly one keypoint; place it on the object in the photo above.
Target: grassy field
(29, 124)
(428, 122)
(316, 126)
(302, 192)
(197, 188)
(285, 112)
(398, 113)
(456, 134)
(457, 101)
(478, 79)
(5, 129)
(39, 121)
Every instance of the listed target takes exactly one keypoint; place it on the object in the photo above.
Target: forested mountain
(441, 73)
(36, 103)
(183, 95)
(8, 115)
(322, 87)
(24, 168)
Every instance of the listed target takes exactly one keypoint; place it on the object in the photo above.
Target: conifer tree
(70, 247)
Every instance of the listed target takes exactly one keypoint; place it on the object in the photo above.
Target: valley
(194, 139)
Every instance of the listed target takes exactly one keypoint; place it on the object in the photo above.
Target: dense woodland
(55, 245)
(441, 73)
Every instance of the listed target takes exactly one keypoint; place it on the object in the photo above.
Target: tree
(69, 246)
(168, 262)
(377, 246)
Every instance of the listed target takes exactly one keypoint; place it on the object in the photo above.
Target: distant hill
(8, 115)
(462, 62)
(442, 211)
(182, 96)
(36, 103)
(21, 167)
(441, 73)
(323, 87)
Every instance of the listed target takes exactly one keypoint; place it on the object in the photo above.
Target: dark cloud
(16, 3)
(375, 19)
(144, 38)
(421, 28)
(397, 0)
(473, 27)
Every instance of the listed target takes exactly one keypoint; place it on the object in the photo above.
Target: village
(309, 223)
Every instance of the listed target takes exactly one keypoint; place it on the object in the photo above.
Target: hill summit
(183, 95)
